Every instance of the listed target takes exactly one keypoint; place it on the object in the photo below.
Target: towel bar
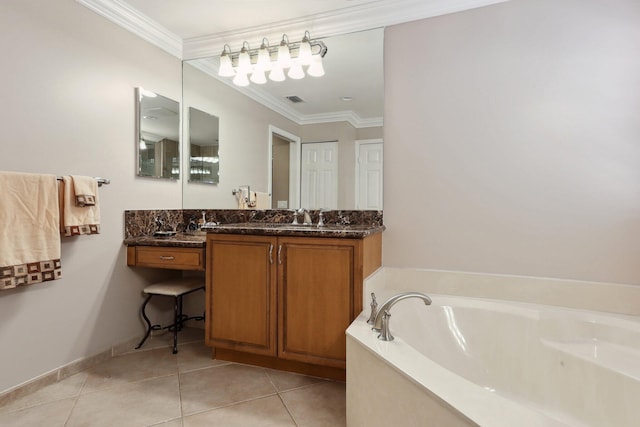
(105, 181)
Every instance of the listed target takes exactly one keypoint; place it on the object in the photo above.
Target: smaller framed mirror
(158, 130)
(204, 161)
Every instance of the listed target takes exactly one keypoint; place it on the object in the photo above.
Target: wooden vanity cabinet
(289, 298)
(241, 293)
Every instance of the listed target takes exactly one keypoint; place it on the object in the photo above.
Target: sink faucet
(307, 217)
(381, 323)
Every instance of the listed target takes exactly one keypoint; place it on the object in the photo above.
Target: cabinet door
(315, 296)
(241, 289)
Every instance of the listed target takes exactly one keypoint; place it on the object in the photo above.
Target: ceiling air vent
(295, 99)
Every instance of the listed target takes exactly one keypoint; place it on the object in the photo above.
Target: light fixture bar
(317, 48)
(257, 62)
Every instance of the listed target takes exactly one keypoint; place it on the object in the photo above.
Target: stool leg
(176, 319)
(146, 319)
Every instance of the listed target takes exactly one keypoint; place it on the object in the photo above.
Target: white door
(369, 173)
(319, 175)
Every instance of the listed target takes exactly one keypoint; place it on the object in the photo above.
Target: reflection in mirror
(158, 130)
(345, 106)
(203, 147)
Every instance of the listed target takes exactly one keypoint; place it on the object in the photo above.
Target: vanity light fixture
(252, 65)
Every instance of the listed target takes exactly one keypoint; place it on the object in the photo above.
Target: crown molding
(210, 67)
(342, 21)
(139, 24)
(376, 14)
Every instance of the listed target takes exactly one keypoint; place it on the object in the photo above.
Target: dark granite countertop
(280, 229)
(180, 240)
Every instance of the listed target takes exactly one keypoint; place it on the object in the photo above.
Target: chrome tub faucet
(381, 322)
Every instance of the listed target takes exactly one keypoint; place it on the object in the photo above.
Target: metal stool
(176, 288)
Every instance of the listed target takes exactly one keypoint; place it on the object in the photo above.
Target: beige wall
(511, 140)
(244, 140)
(67, 83)
(370, 133)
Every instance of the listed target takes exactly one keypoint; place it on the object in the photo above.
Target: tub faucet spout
(381, 323)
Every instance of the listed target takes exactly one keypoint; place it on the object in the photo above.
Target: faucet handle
(320, 218)
(385, 333)
(295, 217)
(374, 309)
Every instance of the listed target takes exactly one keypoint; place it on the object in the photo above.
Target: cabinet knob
(279, 254)
(271, 253)
(166, 258)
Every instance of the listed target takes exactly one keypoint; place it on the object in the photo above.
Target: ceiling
(198, 30)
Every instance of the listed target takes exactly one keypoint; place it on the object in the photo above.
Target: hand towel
(29, 237)
(86, 189)
(77, 220)
(262, 200)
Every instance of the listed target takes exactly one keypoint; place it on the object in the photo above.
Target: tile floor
(152, 387)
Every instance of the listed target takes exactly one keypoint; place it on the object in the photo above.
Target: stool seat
(176, 288)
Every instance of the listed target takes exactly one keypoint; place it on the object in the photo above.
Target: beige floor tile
(173, 423)
(69, 387)
(318, 405)
(53, 414)
(264, 412)
(164, 338)
(219, 386)
(136, 405)
(196, 356)
(131, 367)
(284, 381)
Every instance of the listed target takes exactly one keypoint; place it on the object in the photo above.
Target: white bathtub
(472, 361)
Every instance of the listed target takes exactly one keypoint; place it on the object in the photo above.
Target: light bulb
(244, 61)
(258, 77)
(304, 54)
(316, 69)
(296, 72)
(264, 58)
(241, 79)
(276, 74)
(226, 67)
(284, 56)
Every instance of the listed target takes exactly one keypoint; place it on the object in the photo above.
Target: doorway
(283, 169)
(369, 174)
(319, 175)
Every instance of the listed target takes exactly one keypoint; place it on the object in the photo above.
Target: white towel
(77, 220)
(29, 237)
(262, 200)
(85, 188)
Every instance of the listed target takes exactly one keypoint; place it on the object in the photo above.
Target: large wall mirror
(158, 131)
(339, 113)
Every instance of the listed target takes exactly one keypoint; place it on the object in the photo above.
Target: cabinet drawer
(173, 258)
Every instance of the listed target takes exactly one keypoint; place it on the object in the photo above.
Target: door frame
(294, 166)
(358, 144)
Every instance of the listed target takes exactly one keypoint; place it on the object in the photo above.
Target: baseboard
(63, 372)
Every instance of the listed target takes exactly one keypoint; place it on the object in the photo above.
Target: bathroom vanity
(277, 295)
(283, 296)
